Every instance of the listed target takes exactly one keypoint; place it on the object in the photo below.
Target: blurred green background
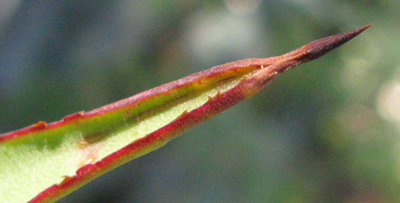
(328, 131)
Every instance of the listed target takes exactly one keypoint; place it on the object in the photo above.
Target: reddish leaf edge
(264, 71)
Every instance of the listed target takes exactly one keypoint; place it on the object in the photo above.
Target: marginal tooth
(39, 125)
(74, 116)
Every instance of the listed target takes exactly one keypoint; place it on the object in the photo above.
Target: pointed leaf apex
(318, 48)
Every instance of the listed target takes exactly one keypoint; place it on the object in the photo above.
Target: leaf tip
(318, 48)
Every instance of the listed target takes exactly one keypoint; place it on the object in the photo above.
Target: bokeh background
(328, 131)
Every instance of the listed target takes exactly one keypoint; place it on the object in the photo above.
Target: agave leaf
(46, 161)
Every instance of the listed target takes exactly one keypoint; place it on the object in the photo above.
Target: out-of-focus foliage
(328, 131)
